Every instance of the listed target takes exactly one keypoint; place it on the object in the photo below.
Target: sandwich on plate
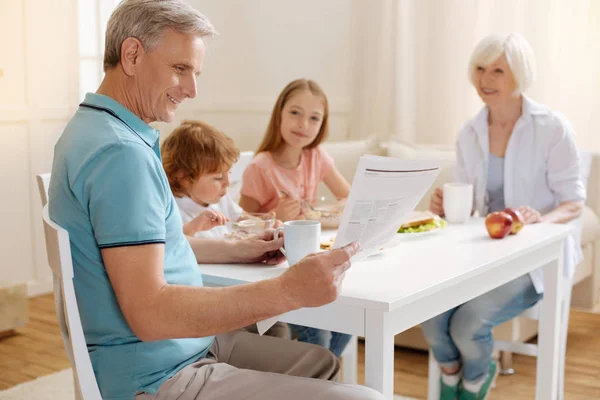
(421, 221)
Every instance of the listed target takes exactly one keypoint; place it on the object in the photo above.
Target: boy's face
(209, 188)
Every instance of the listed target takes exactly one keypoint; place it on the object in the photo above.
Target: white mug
(458, 202)
(300, 238)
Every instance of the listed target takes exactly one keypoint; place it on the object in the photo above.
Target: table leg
(549, 331)
(379, 353)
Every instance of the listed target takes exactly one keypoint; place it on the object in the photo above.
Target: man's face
(167, 75)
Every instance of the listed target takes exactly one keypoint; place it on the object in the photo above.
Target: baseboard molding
(38, 288)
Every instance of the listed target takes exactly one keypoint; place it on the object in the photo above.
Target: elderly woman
(519, 154)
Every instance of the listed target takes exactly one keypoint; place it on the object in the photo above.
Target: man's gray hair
(147, 20)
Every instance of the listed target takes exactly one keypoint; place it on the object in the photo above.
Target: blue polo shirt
(109, 189)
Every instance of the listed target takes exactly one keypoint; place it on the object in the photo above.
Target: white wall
(262, 46)
(387, 66)
(37, 96)
(564, 35)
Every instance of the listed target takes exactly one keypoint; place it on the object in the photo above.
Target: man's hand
(260, 249)
(436, 204)
(316, 279)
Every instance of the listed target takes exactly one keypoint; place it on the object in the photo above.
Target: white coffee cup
(458, 202)
(300, 238)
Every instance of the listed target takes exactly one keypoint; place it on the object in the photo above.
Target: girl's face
(495, 83)
(209, 188)
(301, 119)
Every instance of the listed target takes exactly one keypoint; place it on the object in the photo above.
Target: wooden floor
(36, 350)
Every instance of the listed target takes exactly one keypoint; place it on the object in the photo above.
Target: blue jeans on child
(334, 341)
(464, 334)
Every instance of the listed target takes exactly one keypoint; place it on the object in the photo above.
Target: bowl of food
(327, 211)
(252, 224)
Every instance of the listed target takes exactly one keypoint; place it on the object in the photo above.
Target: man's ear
(131, 51)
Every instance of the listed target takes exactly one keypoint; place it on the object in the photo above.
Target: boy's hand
(204, 222)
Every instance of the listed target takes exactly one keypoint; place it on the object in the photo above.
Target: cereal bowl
(327, 211)
(252, 224)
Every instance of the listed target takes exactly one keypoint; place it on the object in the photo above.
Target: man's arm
(220, 251)
(156, 310)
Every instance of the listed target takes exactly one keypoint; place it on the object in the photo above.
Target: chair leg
(434, 389)
(506, 363)
(350, 362)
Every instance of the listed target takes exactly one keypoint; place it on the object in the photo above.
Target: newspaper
(384, 190)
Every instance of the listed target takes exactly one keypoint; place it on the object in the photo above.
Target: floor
(36, 350)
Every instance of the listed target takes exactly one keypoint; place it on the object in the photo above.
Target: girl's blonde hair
(272, 139)
(194, 149)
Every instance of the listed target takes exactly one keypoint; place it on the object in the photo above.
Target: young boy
(197, 159)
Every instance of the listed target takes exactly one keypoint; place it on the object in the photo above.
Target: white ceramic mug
(458, 202)
(300, 238)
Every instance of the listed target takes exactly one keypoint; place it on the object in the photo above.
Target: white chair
(237, 172)
(518, 347)
(43, 181)
(58, 250)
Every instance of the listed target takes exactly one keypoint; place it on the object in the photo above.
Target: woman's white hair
(518, 53)
(147, 20)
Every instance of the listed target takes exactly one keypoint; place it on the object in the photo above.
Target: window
(92, 16)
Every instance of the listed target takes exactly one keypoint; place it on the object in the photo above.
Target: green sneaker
(464, 394)
(448, 392)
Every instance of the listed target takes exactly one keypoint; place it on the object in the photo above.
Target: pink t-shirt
(264, 180)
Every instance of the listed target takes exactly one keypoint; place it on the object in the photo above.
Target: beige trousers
(242, 365)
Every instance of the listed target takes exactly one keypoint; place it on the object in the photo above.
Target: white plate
(414, 235)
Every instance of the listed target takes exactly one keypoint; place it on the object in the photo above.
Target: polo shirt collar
(145, 131)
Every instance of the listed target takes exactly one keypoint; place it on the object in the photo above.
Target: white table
(423, 277)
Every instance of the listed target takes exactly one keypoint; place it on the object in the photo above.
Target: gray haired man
(153, 331)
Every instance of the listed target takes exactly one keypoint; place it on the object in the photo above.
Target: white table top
(416, 266)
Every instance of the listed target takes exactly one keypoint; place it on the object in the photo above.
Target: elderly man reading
(153, 331)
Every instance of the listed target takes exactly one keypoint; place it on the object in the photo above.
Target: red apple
(498, 224)
(517, 220)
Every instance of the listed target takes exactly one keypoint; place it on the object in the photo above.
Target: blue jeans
(334, 341)
(463, 335)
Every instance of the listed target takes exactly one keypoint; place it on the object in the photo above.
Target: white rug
(58, 386)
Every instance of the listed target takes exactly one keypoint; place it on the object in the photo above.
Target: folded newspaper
(384, 190)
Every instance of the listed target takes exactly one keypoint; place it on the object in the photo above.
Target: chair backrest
(58, 250)
(43, 181)
(237, 172)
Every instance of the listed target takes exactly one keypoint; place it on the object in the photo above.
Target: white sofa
(586, 283)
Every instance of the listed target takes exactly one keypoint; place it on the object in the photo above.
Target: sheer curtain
(411, 58)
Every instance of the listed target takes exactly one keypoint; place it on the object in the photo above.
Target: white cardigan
(541, 169)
